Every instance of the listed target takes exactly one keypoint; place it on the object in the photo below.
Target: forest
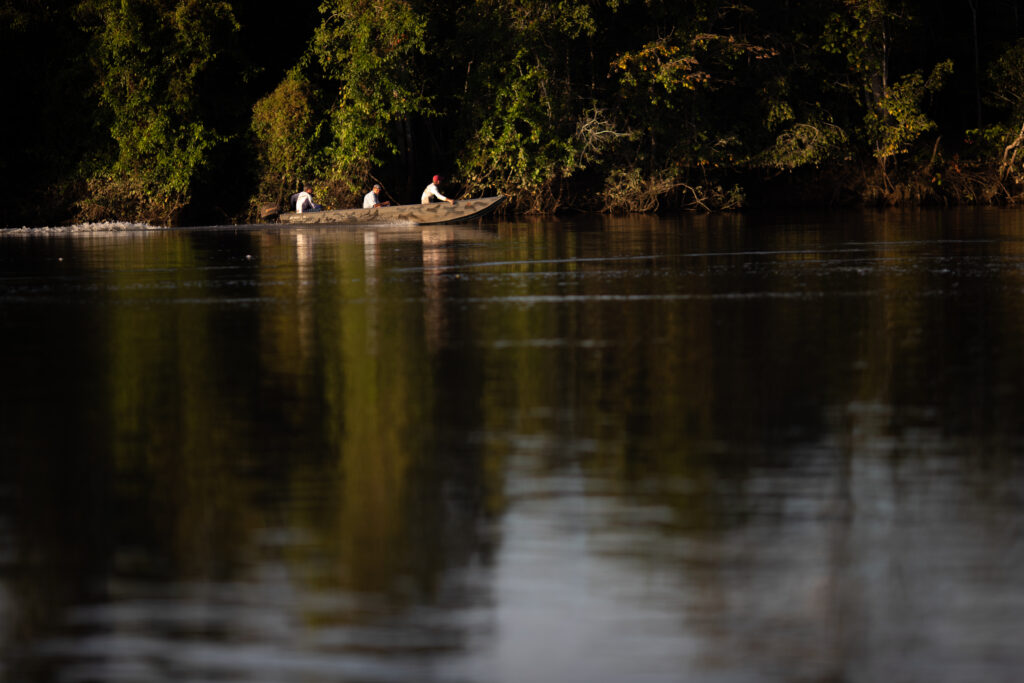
(188, 112)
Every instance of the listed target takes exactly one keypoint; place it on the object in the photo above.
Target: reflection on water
(732, 448)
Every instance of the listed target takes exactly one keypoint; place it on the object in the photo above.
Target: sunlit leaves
(282, 123)
(531, 21)
(522, 146)
(149, 56)
(666, 65)
(660, 64)
(863, 31)
(369, 52)
(806, 143)
(898, 119)
(678, 91)
(528, 127)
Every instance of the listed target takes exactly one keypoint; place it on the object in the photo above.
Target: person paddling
(431, 191)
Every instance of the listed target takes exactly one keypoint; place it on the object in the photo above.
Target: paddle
(390, 198)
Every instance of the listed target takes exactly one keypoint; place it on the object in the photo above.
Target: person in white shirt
(372, 198)
(304, 201)
(431, 191)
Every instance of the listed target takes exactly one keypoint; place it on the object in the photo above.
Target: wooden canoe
(436, 213)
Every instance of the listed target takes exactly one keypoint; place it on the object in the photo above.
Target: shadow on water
(727, 448)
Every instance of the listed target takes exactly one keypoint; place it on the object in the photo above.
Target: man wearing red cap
(432, 191)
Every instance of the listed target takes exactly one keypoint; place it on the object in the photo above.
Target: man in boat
(304, 201)
(372, 198)
(431, 191)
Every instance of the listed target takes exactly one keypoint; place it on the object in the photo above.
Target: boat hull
(438, 213)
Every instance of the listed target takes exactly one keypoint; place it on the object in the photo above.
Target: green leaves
(1005, 79)
(866, 33)
(523, 147)
(282, 123)
(149, 56)
(369, 52)
(613, 104)
(807, 143)
(898, 119)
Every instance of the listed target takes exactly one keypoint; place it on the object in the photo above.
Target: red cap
(437, 179)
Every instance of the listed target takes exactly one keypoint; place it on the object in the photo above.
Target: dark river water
(724, 449)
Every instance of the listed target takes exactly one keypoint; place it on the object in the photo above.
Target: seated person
(372, 198)
(304, 201)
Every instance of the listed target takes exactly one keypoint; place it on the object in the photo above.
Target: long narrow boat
(437, 213)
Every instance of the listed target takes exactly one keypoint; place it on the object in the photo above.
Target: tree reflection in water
(724, 448)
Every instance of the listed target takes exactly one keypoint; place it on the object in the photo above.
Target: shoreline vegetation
(185, 112)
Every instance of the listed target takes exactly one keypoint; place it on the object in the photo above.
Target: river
(764, 447)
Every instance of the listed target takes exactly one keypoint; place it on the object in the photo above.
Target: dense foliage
(199, 110)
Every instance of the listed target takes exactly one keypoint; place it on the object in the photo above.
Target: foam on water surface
(81, 228)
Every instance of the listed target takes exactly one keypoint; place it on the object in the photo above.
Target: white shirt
(431, 190)
(370, 200)
(301, 200)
